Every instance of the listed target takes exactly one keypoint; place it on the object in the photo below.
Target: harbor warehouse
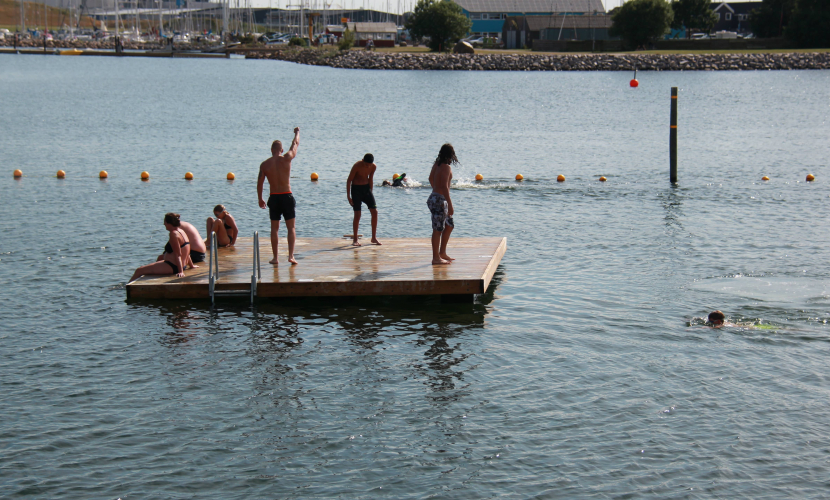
(521, 31)
(381, 34)
(488, 16)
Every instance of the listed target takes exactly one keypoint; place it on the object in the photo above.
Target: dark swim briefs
(174, 266)
(362, 194)
(197, 256)
(281, 204)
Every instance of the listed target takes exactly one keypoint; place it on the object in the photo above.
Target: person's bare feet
(274, 261)
(356, 243)
(376, 242)
(439, 262)
(446, 257)
(292, 260)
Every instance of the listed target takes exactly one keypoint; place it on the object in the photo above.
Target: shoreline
(550, 62)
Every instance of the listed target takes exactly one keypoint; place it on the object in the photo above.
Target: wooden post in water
(673, 138)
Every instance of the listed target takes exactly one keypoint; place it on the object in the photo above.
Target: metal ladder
(213, 272)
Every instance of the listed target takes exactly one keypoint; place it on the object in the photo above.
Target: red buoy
(634, 83)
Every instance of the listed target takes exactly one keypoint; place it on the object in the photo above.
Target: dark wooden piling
(673, 138)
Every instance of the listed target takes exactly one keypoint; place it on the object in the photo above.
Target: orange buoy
(314, 176)
(18, 173)
(145, 176)
(231, 176)
(602, 179)
(560, 178)
(103, 174)
(520, 177)
(479, 177)
(765, 178)
(811, 177)
(634, 83)
(188, 176)
(61, 174)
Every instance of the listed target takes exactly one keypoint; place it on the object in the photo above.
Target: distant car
(700, 36)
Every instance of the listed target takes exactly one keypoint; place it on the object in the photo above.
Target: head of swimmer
(276, 148)
(219, 210)
(171, 221)
(446, 155)
(369, 158)
(716, 318)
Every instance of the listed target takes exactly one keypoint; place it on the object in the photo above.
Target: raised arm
(259, 183)
(292, 151)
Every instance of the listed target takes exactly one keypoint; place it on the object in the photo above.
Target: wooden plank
(333, 267)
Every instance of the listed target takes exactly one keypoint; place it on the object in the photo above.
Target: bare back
(439, 179)
(277, 170)
(196, 242)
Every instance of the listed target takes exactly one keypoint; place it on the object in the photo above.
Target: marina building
(489, 16)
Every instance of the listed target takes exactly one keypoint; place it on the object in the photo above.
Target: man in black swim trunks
(359, 190)
(277, 170)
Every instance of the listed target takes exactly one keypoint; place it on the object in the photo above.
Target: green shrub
(346, 41)
(297, 42)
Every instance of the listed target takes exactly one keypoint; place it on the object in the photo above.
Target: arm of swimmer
(234, 228)
(349, 184)
(259, 184)
(292, 151)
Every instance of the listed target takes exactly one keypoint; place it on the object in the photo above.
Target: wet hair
(172, 219)
(446, 155)
(716, 316)
(219, 208)
(276, 146)
(368, 158)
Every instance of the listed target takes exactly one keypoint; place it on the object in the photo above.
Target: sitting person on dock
(224, 226)
(277, 170)
(440, 204)
(359, 186)
(175, 257)
(198, 250)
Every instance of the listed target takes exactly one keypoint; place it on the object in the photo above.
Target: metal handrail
(213, 275)
(256, 272)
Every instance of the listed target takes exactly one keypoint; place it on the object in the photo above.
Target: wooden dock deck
(332, 267)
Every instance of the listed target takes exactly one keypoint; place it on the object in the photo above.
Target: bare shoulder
(373, 167)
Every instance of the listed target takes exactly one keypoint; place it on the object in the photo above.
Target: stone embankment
(550, 62)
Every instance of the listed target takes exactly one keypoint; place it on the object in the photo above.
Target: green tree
(809, 24)
(639, 21)
(346, 41)
(693, 15)
(440, 20)
(770, 19)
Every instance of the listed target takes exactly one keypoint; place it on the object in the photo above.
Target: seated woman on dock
(227, 231)
(176, 256)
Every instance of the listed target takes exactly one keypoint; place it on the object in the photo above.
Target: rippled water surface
(585, 371)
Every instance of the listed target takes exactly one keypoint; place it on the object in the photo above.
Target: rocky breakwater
(550, 62)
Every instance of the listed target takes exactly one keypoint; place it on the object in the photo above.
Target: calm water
(584, 372)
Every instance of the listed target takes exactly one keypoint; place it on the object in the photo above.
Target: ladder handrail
(256, 272)
(213, 275)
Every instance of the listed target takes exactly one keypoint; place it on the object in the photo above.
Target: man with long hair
(440, 203)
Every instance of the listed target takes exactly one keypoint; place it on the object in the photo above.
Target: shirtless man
(197, 244)
(359, 190)
(440, 203)
(281, 202)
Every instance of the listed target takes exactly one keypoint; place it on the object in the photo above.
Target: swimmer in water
(718, 319)
(358, 191)
(399, 180)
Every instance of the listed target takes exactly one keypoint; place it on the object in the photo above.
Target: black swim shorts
(362, 194)
(197, 257)
(281, 205)
(174, 266)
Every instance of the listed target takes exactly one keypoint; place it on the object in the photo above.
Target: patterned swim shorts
(439, 209)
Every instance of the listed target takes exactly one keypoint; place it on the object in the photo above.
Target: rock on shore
(550, 62)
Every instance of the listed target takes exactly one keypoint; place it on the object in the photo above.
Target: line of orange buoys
(145, 176)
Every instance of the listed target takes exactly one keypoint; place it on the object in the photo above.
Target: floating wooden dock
(332, 267)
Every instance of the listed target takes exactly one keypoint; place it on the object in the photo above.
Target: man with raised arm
(277, 170)
(359, 190)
